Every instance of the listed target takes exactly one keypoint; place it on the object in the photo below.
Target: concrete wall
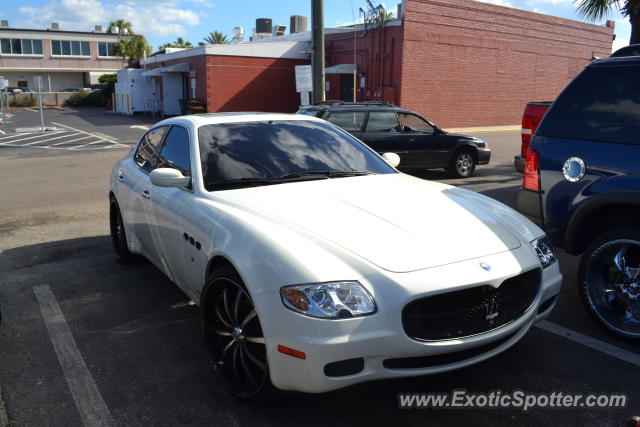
(48, 98)
(467, 63)
(59, 81)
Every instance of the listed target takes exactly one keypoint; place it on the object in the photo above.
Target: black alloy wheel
(118, 234)
(233, 337)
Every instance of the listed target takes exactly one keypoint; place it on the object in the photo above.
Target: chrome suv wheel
(609, 281)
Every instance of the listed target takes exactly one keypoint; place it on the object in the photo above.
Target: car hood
(395, 221)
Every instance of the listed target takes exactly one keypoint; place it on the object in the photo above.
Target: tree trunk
(635, 28)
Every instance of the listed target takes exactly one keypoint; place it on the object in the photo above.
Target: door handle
(145, 194)
(412, 140)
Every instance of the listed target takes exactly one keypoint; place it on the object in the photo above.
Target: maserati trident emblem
(491, 310)
(486, 266)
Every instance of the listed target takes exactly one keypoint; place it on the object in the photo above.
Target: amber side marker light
(291, 352)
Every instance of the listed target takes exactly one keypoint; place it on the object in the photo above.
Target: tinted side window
(601, 104)
(349, 121)
(175, 151)
(312, 113)
(381, 121)
(147, 153)
(415, 123)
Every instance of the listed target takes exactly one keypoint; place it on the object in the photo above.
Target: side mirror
(168, 177)
(392, 158)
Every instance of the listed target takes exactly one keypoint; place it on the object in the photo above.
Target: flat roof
(48, 30)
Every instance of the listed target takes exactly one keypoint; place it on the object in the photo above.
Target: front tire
(462, 164)
(119, 234)
(233, 337)
(609, 281)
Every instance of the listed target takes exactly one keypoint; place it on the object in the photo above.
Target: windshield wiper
(253, 182)
(323, 174)
(239, 182)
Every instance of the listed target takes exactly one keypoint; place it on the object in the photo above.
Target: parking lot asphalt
(138, 335)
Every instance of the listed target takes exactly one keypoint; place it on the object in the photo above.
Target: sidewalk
(484, 129)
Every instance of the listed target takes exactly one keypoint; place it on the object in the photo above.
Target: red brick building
(238, 77)
(458, 62)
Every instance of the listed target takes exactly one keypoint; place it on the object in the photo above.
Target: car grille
(470, 311)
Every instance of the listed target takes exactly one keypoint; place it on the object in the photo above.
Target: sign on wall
(304, 82)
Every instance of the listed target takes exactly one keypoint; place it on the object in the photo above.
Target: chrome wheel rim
(464, 164)
(612, 285)
(233, 337)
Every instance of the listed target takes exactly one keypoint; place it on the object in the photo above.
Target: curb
(484, 129)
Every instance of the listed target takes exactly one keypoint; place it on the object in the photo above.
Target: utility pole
(317, 28)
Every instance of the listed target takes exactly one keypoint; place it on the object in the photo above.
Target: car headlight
(334, 300)
(544, 250)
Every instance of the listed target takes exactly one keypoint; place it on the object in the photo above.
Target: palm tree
(120, 26)
(595, 10)
(180, 43)
(133, 48)
(217, 37)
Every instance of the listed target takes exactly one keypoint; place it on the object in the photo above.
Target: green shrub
(86, 99)
(22, 100)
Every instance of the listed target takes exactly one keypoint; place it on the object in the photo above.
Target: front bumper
(484, 155)
(375, 340)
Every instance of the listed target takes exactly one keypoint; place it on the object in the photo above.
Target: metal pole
(355, 65)
(39, 80)
(4, 120)
(317, 24)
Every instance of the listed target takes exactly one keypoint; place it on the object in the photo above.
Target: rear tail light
(527, 133)
(531, 172)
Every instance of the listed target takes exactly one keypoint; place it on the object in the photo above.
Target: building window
(106, 49)
(70, 48)
(21, 47)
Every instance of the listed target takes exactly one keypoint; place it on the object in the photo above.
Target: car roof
(198, 120)
(614, 61)
(353, 106)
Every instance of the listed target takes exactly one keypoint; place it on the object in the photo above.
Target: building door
(346, 87)
(172, 93)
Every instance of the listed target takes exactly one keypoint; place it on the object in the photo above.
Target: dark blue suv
(581, 184)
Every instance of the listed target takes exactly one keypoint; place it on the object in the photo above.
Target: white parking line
(93, 410)
(4, 418)
(88, 133)
(80, 147)
(40, 135)
(601, 346)
(48, 139)
(72, 140)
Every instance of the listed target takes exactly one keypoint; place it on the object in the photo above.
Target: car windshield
(269, 152)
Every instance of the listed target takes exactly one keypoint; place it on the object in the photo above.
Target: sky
(164, 20)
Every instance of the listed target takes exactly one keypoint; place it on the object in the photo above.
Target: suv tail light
(527, 133)
(531, 172)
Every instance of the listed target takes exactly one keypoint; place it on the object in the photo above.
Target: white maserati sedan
(315, 263)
